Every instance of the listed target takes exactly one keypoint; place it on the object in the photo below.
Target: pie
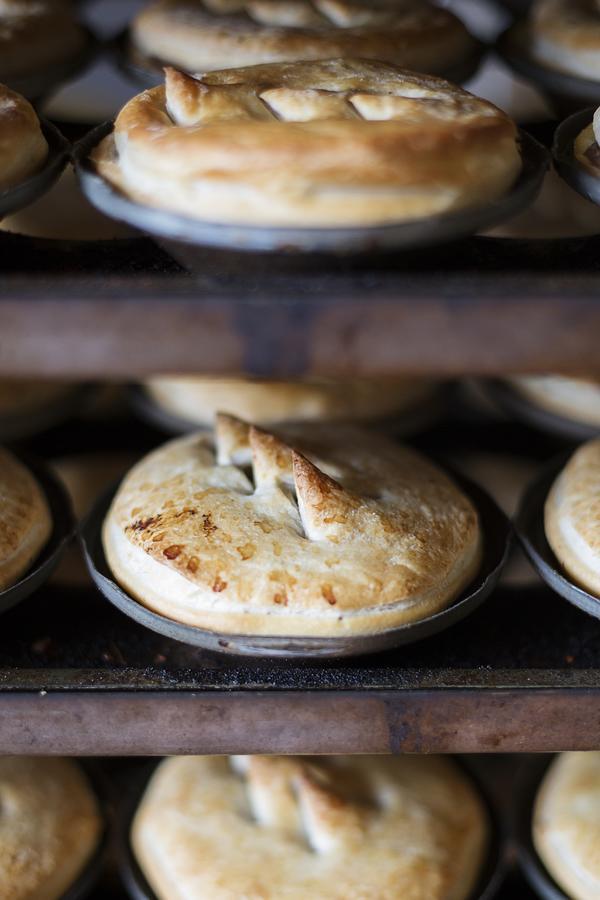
(586, 149)
(200, 35)
(566, 825)
(317, 530)
(572, 517)
(35, 34)
(327, 143)
(197, 400)
(25, 521)
(49, 827)
(577, 399)
(332, 828)
(565, 36)
(23, 147)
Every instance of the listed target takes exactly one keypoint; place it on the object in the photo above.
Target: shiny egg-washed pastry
(25, 522)
(35, 34)
(572, 517)
(49, 827)
(336, 142)
(577, 399)
(587, 147)
(197, 399)
(566, 823)
(332, 828)
(23, 147)
(321, 530)
(565, 35)
(199, 35)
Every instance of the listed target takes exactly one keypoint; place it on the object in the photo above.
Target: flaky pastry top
(25, 522)
(316, 530)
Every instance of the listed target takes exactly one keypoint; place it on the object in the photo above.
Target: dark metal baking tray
(568, 167)
(39, 83)
(530, 529)
(15, 198)
(488, 884)
(62, 531)
(185, 238)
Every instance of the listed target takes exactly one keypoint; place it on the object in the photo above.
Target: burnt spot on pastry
(219, 585)
(173, 551)
(141, 525)
(328, 594)
(281, 599)
(246, 551)
(208, 526)
(193, 564)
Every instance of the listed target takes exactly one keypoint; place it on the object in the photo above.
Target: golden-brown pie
(23, 147)
(321, 530)
(25, 522)
(565, 35)
(586, 148)
(332, 828)
(35, 34)
(572, 517)
(566, 825)
(49, 827)
(200, 35)
(196, 399)
(577, 399)
(335, 142)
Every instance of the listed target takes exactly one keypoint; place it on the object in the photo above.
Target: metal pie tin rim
(565, 162)
(529, 525)
(63, 529)
(172, 229)
(21, 426)
(518, 406)
(497, 541)
(492, 874)
(15, 198)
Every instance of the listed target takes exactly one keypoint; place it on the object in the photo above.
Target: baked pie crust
(199, 35)
(336, 142)
(333, 828)
(586, 148)
(577, 399)
(35, 34)
(565, 35)
(319, 530)
(25, 522)
(566, 826)
(197, 399)
(572, 517)
(49, 827)
(23, 148)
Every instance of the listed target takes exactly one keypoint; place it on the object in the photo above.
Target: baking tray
(148, 72)
(497, 540)
(21, 426)
(23, 194)
(567, 93)
(62, 531)
(516, 405)
(530, 863)
(567, 165)
(529, 524)
(488, 885)
(182, 236)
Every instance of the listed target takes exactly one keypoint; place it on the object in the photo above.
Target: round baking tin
(62, 531)
(15, 198)
(567, 92)
(535, 872)
(17, 427)
(497, 539)
(567, 165)
(529, 524)
(89, 875)
(182, 236)
(37, 85)
(148, 72)
(517, 406)
(488, 885)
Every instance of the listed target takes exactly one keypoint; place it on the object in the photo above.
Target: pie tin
(568, 93)
(528, 784)
(413, 420)
(182, 236)
(566, 164)
(91, 872)
(62, 531)
(148, 72)
(15, 198)
(529, 525)
(19, 426)
(38, 84)
(497, 540)
(518, 406)
(489, 883)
